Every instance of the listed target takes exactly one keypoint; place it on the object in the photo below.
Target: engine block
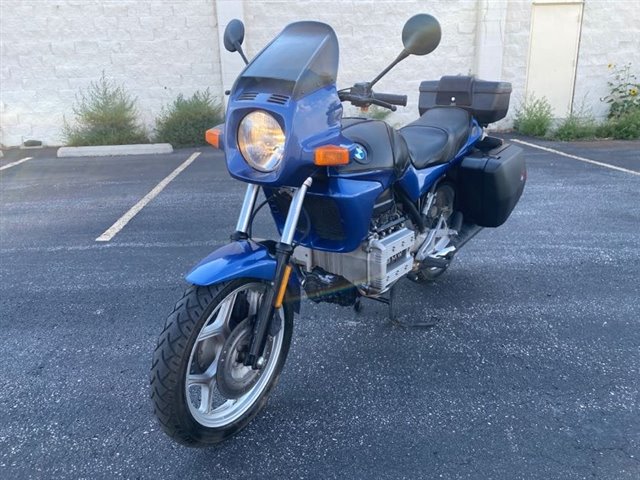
(374, 266)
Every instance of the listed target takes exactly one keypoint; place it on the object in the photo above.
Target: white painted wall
(158, 48)
(52, 48)
(610, 35)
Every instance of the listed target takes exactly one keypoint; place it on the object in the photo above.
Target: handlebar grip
(391, 98)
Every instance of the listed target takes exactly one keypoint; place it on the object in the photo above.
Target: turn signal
(329, 155)
(212, 136)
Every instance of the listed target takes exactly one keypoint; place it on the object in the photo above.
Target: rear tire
(187, 355)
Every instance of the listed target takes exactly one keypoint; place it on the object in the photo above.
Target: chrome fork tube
(294, 213)
(275, 293)
(249, 202)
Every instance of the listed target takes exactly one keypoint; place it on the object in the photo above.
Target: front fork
(274, 293)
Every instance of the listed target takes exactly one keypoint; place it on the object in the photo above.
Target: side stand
(390, 300)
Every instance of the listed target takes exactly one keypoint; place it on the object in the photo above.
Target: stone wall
(158, 48)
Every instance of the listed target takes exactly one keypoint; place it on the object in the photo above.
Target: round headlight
(261, 141)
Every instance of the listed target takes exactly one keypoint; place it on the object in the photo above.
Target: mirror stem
(403, 54)
(239, 50)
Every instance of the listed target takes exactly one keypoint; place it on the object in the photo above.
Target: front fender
(241, 259)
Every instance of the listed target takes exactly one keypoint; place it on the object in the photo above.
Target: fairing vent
(279, 99)
(322, 212)
(248, 96)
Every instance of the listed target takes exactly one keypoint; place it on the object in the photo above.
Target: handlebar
(365, 97)
(391, 98)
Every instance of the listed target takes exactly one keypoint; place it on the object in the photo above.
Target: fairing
(303, 58)
(293, 79)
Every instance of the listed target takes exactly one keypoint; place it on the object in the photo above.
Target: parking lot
(530, 370)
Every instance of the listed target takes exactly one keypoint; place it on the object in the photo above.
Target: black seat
(437, 135)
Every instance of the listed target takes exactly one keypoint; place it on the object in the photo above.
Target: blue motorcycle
(358, 204)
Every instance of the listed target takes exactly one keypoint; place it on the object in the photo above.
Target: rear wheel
(201, 391)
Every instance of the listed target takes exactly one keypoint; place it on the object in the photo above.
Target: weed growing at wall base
(533, 117)
(580, 124)
(184, 122)
(622, 127)
(105, 114)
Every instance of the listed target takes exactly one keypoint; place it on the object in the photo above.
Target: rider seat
(436, 136)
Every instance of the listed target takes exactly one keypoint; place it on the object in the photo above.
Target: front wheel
(201, 391)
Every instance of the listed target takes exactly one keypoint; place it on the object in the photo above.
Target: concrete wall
(52, 48)
(159, 48)
(610, 35)
(370, 38)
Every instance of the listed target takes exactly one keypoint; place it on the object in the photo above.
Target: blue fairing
(293, 79)
(353, 200)
(241, 259)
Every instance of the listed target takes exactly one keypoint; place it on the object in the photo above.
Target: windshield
(304, 55)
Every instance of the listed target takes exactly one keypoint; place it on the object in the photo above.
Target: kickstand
(390, 300)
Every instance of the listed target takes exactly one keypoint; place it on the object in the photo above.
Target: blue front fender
(241, 259)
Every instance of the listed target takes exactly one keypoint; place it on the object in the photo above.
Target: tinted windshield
(305, 54)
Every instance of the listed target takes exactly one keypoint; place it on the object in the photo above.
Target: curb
(111, 150)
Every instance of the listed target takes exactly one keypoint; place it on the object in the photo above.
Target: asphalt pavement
(531, 369)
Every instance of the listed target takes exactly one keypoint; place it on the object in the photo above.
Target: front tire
(186, 399)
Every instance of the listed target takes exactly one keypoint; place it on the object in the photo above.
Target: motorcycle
(358, 204)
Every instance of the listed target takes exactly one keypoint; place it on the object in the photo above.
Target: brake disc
(233, 378)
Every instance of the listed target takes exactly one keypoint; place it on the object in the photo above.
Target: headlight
(261, 141)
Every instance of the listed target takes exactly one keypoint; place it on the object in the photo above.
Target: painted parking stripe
(13, 164)
(575, 157)
(113, 230)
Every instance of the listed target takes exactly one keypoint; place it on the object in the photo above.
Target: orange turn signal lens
(212, 136)
(329, 155)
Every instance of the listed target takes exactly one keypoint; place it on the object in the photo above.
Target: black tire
(173, 355)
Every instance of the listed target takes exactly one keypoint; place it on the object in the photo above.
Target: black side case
(490, 184)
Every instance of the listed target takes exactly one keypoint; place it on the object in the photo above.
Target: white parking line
(113, 230)
(575, 157)
(13, 164)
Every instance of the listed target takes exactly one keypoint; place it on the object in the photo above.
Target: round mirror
(421, 34)
(233, 35)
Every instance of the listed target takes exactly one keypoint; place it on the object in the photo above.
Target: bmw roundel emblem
(360, 154)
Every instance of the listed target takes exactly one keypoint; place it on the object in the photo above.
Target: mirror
(421, 34)
(233, 35)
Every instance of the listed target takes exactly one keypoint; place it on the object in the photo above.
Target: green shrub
(533, 117)
(578, 125)
(575, 128)
(104, 115)
(623, 127)
(185, 121)
(624, 91)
